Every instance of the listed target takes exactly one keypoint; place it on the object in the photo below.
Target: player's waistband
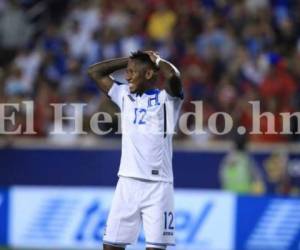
(144, 180)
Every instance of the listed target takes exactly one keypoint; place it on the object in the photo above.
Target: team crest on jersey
(153, 101)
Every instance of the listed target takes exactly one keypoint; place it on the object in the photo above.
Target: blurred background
(233, 192)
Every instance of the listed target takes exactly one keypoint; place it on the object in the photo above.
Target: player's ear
(149, 74)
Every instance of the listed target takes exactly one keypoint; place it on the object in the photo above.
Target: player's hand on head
(152, 54)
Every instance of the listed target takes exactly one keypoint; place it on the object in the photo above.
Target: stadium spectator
(161, 23)
(13, 22)
(276, 176)
(239, 173)
(229, 54)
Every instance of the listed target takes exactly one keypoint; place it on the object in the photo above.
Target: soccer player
(144, 193)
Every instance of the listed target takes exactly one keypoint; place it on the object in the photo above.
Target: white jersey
(148, 123)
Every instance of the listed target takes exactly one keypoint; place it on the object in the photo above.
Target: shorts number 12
(169, 217)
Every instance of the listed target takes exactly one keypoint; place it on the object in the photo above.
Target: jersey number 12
(139, 116)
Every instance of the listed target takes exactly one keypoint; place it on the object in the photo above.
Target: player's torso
(143, 115)
(145, 149)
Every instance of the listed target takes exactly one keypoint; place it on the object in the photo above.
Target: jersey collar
(149, 92)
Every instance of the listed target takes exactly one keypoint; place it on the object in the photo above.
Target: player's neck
(146, 88)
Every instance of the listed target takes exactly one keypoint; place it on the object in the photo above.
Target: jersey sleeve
(117, 92)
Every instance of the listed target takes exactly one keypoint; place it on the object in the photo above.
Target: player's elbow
(93, 74)
(90, 72)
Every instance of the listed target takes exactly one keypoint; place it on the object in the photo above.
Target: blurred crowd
(276, 173)
(229, 53)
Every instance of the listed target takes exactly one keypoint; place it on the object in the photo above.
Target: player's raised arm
(100, 72)
(171, 73)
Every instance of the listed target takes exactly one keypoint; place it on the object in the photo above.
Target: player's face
(134, 75)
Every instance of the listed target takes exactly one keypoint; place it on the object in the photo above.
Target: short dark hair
(143, 58)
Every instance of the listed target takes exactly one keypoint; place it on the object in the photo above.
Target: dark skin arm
(100, 72)
(171, 73)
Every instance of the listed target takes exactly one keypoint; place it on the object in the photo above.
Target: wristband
(158, 59)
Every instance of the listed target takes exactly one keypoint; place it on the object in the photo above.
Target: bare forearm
(168, 69)
(100, 72)
(107, 67)
(172, 75)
